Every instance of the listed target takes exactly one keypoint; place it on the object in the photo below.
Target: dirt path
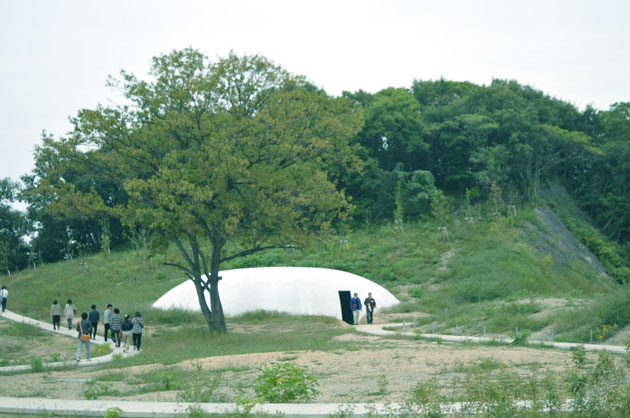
(382, 370)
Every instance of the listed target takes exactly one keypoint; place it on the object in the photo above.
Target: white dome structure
(295, 290)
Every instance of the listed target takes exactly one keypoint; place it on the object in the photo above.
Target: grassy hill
(526, 271)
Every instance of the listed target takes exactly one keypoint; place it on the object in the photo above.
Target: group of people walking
(356, 307)
(119, 328)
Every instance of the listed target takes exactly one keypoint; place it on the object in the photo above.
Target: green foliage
(519, 338)
(209, 154)
(285, 382)
(200, 387)
(167, 379)
(113, 412)
(37, 364)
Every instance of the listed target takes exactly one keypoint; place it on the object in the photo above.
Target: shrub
(201, 387)
(37, 364)
(285, 382)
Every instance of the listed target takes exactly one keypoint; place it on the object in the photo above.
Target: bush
(201, 387)
(285, 382)
(37, 364)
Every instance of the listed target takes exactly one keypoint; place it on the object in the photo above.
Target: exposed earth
(380, 369)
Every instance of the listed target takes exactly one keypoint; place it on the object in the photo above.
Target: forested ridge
(437, 148)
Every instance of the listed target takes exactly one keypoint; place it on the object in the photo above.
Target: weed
(285, 382)
(578, 355)
(382, 383)
(37, 364)
(113, 412)
(201, 387)
(55, 357)
(519, 338)
(604, 331)
(90, 394)
(103, 349)
(166, 379)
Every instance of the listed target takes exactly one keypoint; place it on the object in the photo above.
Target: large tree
(222, 159)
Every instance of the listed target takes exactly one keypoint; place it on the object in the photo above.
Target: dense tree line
(469, 142)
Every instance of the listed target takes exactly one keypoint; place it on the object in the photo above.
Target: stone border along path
(95, 361)
(380, 330)
(177, 409)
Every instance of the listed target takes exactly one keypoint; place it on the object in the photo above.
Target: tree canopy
(223, 159)
(239, 155)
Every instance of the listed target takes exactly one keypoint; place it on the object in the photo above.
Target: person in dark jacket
(370, 305)
(355, 307)
(94, 317)
(126, 328)
(83, 327)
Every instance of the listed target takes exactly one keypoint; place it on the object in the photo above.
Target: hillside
(526, 271)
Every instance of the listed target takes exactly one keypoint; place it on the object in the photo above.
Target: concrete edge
(96, 361)
(379, 330)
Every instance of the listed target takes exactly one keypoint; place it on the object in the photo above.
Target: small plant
(102, 349)
(604, 331)
(627, 343)
(90, 394)
(4, 362)
(578, 354)
(285, 382)
(167, 378)
(55, 357)
(113, 412)
(196, 411)
(37, 364)
(519, 338)
(201, 387)
(382, 384)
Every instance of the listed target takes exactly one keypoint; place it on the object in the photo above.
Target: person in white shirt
(4, 295)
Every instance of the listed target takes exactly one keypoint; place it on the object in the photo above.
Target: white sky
(56, 54)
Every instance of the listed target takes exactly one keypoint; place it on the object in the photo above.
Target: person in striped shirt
(138, 324)
(116, 326)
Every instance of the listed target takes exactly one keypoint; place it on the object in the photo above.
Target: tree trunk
(218, 319)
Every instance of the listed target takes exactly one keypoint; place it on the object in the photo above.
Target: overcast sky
(57, 54)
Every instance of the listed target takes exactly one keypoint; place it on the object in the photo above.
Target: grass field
(487, 273)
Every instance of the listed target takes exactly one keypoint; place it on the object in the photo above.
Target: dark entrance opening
(346, 312)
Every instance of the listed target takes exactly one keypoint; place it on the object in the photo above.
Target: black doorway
(346, 312)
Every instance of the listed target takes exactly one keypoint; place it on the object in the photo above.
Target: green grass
(474, 279)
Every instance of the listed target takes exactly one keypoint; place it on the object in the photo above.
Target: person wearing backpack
(126, 328)
(84, 328)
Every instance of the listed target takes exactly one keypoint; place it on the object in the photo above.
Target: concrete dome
(296, 290)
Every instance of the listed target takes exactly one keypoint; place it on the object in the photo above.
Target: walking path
(72, 333)
(379, 329)
(177, 409)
